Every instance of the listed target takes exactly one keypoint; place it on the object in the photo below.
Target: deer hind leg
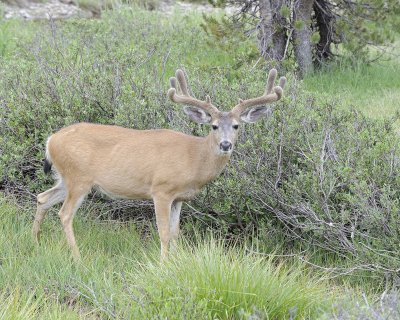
(174, 223)
(45, 201)
(71, 204)
(163, 209)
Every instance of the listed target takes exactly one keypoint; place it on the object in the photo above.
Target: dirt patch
(54, 9)
(64, 9)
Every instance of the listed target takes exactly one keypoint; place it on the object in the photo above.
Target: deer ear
(253, 114)
(197, 115)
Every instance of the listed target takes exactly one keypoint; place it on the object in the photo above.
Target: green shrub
(386, 306)
(330, 176)
(317, 173)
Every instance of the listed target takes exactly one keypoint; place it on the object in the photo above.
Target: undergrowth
(315, 172)
(317, 182)
(121, 276)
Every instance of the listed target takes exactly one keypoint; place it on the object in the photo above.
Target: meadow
(302, 224)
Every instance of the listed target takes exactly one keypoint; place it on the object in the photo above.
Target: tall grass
(121, 276)
(372, 88)
(231, 283)
(97, 6)
(17, 305)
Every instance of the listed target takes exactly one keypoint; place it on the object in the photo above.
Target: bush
(310, 172)
(329, 176)
(387, 307)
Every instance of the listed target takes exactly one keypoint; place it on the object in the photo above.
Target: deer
(162, 165)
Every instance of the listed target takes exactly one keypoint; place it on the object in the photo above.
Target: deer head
(225, 124)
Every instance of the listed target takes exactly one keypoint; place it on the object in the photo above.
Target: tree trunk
(272, 33)
(325, 20)
(265, 43)
(279, 36)
(302, 35)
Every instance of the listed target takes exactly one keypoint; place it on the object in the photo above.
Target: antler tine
(185, 98)
(270, 81)
(271, 94)
(172, 81)
(182, 81)
(282, 82)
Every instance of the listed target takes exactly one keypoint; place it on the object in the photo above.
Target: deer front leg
(174, 223)
(66, 214)
(162, 207)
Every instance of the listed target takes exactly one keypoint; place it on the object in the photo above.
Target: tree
(307, 29)
(272, 36)
(302, 35)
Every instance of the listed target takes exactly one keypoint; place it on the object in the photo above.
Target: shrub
(310, 172)
(387, 307)
(329, 176)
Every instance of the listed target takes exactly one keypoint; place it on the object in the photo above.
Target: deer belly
(124, 188)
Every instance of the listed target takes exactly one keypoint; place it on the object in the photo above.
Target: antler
(271, 94)
(185, 98)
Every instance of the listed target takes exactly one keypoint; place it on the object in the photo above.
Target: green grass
(121, 276)
(372, 88)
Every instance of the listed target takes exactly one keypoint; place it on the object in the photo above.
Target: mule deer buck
(163, 165)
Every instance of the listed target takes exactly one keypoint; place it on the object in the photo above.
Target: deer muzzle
(225, 146)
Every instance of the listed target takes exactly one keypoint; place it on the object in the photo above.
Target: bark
(272, 33)
(302, 36)
(325, 20)
(265, 43)
(279, 37)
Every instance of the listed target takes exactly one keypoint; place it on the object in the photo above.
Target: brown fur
(163, 165)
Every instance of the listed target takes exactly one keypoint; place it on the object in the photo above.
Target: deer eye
(215, 127)
(235, 126)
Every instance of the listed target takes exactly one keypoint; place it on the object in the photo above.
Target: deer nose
(225, 145)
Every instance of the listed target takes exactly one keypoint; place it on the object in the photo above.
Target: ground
(63, 9)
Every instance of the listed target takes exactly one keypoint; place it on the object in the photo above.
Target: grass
(372, 88)
(121, 276)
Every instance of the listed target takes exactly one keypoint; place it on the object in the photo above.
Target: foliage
(386, 307)
(364, 24)
(351, 28)
(312, 172)
(330, 176)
